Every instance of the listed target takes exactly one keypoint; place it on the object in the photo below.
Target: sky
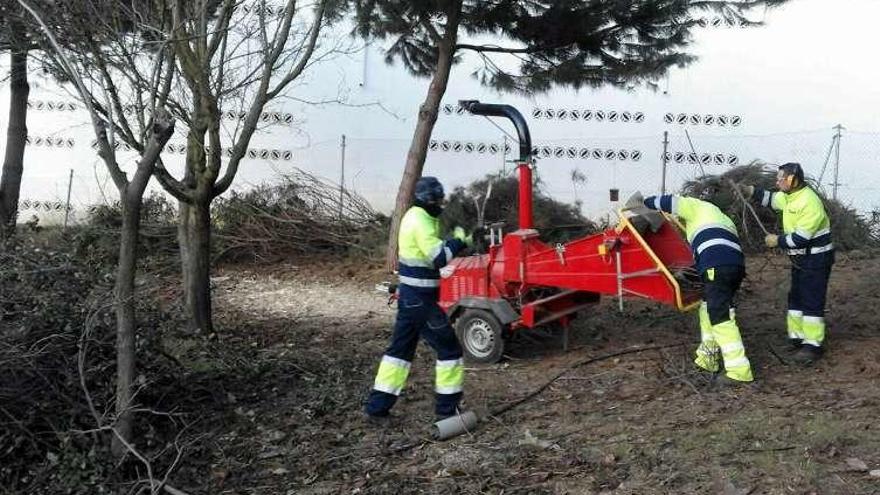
(773, 93)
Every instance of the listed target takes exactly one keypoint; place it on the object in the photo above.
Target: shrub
(98, 238)
(57, 333)
(556, 221)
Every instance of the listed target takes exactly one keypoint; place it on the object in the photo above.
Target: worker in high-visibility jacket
(720, 262)
(806, 237)
(421, 254)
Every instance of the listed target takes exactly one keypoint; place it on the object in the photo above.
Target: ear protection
(793, 175)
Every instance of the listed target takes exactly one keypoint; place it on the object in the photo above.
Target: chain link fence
(61, 161)
(583, 170)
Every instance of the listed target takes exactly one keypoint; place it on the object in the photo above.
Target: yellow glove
(771, 240)
(461, 235)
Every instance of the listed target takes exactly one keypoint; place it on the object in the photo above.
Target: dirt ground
(298, 347)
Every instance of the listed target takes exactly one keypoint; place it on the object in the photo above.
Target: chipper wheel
(481, 336)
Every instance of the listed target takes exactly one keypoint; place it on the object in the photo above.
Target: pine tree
(540, 45)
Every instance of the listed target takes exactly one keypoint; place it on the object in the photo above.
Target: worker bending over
(806, 237)
(421, 254)
(719, 260)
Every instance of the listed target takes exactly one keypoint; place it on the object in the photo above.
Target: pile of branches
(58, 371)
(494, 198)
(97, 239)
(300, 214)
(849, 229)
(297, 214)
(47, 298)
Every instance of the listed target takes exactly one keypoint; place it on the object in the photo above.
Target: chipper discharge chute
(522, 282)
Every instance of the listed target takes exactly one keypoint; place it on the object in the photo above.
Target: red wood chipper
(523, 283)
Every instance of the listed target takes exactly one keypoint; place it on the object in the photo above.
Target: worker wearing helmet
(806, 237)
(421, 255)
(719, 260)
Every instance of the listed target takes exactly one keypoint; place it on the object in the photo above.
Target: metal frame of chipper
(522, 282)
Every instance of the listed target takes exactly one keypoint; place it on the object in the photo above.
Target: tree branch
(162, 129)
(106, 151)
(304, 59)
(174, 187)
(264, 94)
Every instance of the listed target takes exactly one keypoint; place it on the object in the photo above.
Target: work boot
(724, 382)
(807, 355)
(379, 421)
(441, 416)
(699, 370)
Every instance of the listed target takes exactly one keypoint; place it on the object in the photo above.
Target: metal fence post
(665, 157)
(67, 205)
(838, 128)
(342, 178)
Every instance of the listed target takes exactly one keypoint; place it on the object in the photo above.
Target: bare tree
(79, 45)
(231, 56)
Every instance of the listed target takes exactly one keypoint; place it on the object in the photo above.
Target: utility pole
(694, 153)
(665, 156)
(838, 128)
(67, 205)
(503, 156)
(342, 178)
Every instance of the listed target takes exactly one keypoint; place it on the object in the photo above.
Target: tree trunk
(125, 319)
(194, 234)
(418, 150)
(13, 164)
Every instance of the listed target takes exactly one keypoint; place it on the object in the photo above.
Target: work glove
(634, 201)
(461, 235)
(747, 190)
(771, 240)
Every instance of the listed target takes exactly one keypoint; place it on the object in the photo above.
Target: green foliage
(46, 298)
(157, 209)
(58, 333)
(556, 221)
(556, 43)
(98, 238)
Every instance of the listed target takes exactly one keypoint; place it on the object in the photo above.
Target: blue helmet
(429, 191)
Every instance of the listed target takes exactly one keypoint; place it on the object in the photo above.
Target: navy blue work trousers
(809, 282)
(418, 314)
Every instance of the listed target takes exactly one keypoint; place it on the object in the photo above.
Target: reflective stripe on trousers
(795, 323)
(724, 339)
(807, 297)
(392, 375)
(449, 376)
(736, 364)
(814, 330)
